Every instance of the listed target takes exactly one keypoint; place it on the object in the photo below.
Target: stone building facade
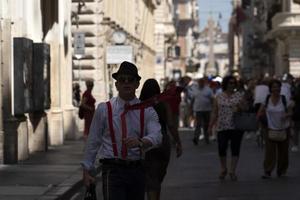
(165, 41)
(187, 28)
(269, 38)
(99, 21)
(35, 62)
(46, 28)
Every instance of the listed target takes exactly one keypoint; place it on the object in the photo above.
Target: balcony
(284, 24)
(286, 20)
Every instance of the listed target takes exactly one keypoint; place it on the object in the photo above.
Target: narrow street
(194, 176)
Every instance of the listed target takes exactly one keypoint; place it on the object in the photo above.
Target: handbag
(90, 193)
(277, 135)
(245, 121)
(81, 112)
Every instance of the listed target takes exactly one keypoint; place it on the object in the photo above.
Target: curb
(65, 189)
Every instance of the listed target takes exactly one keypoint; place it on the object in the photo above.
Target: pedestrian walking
(278, 111)
(296, 118)
(225, 104)
(88, 106)
(120, 136)
(202, 106)
(76, 95)
(261, 92)
(189, 87)
(287, 86)
(175, 103)
(157, 159)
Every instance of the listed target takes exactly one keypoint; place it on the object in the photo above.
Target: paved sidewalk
(50, 175)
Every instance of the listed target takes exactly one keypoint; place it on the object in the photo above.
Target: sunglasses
(128, 79)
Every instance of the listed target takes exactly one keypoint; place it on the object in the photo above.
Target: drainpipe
(1, 106)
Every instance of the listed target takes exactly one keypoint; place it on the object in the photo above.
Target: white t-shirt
(260, 94)
(275, 115)
(203, 99)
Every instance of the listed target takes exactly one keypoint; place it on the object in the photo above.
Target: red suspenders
(124, 129)
(111, 129)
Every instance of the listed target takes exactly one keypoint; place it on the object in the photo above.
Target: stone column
(69, 112)
(55, 114)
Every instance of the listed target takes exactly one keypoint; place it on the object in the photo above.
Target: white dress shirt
(99, 140)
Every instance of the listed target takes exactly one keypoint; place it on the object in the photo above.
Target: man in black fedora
(119, 136)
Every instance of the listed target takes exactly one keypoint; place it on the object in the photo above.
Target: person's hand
(87, 178)
(132, 142)
(178, 150)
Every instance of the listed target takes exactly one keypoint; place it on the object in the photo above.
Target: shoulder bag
(245, 121)
(277, 135)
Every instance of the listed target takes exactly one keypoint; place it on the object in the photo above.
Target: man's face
(126, 84)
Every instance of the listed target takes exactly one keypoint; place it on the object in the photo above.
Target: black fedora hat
(128, 69)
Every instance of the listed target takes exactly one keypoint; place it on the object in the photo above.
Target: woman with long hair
(157, 159)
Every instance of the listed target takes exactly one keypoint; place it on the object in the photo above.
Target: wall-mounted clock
(119, 37)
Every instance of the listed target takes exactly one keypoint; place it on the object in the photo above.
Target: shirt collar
(131, 102)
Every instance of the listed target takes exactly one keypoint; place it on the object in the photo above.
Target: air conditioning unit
(22, 76)
(41, 77)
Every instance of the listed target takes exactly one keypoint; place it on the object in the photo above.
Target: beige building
(285, 33)
(114, 31)
(36, 74)
(187, 27)
(269, 42)
(165, 40)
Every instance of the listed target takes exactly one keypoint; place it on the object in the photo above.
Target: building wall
(165, 40)
(28, 133)
(98, 20)
(186, 20)
(285, 31)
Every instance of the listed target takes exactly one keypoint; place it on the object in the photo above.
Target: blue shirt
(99, 140)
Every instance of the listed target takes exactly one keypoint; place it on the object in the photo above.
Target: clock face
(119, 37)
